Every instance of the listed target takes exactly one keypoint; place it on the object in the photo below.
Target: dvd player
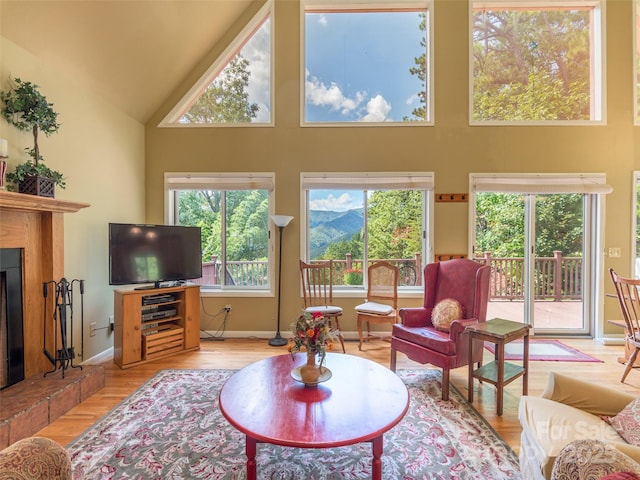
(153, 299)
(158, 315)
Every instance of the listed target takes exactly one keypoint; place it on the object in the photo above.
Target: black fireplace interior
(11, 322)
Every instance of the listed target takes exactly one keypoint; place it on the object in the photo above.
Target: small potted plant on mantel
(27, 109)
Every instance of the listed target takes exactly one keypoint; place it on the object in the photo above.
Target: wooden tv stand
(155, 323)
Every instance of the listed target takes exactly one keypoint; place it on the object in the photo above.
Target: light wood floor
(235, 354)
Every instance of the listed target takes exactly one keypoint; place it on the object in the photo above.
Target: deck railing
(556, 278)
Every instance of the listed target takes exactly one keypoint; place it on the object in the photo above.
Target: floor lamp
(281, 221)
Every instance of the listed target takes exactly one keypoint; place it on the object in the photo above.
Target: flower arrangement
(353, 276)
(311, 333)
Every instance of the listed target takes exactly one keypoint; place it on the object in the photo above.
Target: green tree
(559, 225)
(339, 250)
(246, 222)
(499, 224)
(420, 70)
(395, 226)
(226, 99)
(201, 208)
(247, 225)
(531, 65)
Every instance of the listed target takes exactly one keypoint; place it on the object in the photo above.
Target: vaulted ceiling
(132, 52)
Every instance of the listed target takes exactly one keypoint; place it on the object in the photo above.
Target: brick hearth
(30, 405)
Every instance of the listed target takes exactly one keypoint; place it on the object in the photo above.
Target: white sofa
(568, 410)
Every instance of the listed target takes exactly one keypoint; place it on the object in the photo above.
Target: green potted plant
(353, 276)
(27, 109)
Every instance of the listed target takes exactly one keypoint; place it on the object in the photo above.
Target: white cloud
(319, 94)
(334, 204)
(413, 99)
(377, 109)
(322, 20)
(257, 51)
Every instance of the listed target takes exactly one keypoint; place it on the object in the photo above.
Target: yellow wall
(451, 149)
(116, 164)
(101, 153)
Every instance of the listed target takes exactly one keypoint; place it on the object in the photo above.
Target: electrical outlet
(227, 307)
(111, 323)
(615, 252)
(92, 329)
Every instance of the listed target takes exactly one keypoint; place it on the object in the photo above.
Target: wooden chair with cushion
(456, 293)
(381, 305)
(317, 288)
(629, 301)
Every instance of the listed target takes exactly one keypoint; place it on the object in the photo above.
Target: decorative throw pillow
(621, 476)
(627, 422)
(445, 312)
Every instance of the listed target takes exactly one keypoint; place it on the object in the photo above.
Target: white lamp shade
(281, 220)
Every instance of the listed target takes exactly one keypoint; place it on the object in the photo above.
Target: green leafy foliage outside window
(532, 64)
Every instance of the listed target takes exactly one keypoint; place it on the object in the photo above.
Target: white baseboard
(100, 357)
(610, 340)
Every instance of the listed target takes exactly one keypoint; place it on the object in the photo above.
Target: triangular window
(237, 88)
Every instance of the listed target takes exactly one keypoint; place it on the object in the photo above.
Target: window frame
(179, 181)
(595, 189)
(351, 180)
(171, 120)
(597, 67)
(354, 6)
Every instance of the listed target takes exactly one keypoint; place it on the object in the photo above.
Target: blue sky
(335, 200)
(357, 66)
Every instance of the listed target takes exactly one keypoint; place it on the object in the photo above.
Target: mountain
(327, 227)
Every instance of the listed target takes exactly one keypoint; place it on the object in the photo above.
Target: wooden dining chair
(629, 301)
(382, 299)
(317, 289)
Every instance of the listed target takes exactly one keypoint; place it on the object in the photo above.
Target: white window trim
(598, 67)
(363, 5)
(225, 181)
(171, 119)
(364, 181)
(539, 183)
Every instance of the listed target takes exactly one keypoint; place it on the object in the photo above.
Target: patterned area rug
(544, 351)
(171, 427)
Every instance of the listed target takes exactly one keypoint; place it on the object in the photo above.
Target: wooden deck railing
(556, 278)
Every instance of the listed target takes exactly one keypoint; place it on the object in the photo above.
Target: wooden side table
(499, 373)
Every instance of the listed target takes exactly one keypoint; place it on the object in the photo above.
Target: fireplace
(11, 333)
(35, 226)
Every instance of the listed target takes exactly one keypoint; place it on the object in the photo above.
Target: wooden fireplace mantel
(21, 201)
(36, 225)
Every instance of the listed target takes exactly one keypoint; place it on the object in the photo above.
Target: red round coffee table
(360, 402)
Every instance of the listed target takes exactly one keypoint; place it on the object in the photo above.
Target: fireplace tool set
(63, 315)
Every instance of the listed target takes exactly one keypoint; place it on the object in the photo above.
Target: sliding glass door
(542, 250)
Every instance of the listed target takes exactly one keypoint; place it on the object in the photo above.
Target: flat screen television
(153, 254)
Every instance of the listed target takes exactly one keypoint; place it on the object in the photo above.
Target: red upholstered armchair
(463, 280)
